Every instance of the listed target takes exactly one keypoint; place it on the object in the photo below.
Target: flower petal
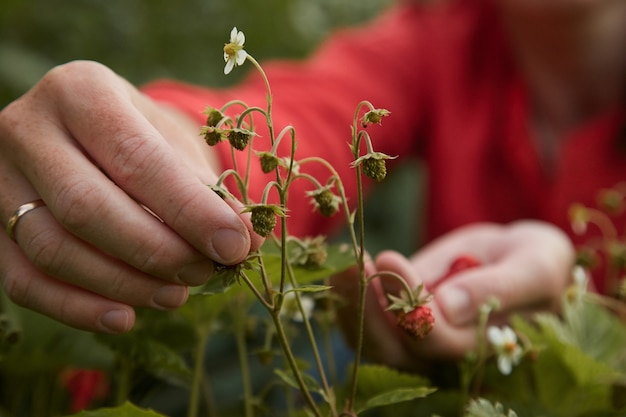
(240, 39)
(504, 365)
(509, 335)
(240, 57)
(230, 64)
(495, 336)
(233, 35)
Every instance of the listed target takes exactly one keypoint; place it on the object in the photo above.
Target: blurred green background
(147, 39)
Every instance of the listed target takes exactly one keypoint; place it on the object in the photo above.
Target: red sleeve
(383, 62)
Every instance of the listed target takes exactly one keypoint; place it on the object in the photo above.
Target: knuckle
(134, 153)
(154, 259)
(70, 77)
(45, 252)
(78, 204)
(18, 288)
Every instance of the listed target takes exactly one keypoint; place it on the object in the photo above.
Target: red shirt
(456, 101)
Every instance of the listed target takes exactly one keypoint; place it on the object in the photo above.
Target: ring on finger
(19, 213)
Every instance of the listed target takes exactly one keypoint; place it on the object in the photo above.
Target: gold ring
(17, 215)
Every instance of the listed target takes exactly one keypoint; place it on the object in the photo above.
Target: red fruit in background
(84, 386)
(460, 263)
(417, 322)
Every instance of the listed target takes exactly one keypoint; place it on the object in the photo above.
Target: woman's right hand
(128, 219)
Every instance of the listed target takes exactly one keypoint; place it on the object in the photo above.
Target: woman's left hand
(525, 265)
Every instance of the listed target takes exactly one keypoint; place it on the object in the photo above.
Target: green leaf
(376, 379)
(395, 396)
(310, 288)
(379, 385)
(289, 378)
(588, 324)
(125, 410)
(338, 259)
(150, 355)
(482, 408)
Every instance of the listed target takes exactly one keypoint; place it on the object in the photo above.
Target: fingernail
(455, 304)
(196, 273)
(170, 296)
(115, 321)
(230, 245)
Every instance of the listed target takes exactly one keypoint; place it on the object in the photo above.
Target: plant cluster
(569, 365)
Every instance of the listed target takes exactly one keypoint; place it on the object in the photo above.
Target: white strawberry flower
(234, 54)
(504, 341)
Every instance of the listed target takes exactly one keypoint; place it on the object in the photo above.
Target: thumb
(381, 338)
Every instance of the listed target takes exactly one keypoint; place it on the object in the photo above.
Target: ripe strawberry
(417, 322)
(460, 263)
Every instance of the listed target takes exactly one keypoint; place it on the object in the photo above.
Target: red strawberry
(417, 322)
(459, 264)
(84, 386)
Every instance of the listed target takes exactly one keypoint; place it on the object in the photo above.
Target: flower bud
(374, 117)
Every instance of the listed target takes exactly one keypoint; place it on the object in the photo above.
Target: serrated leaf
(150, 355)
(590, 323)
(482, 408)
(376, 379)
(125, 410)
(337, 261)
(379, 385)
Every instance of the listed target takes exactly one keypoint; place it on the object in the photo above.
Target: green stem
(407, 289)
(242, 350)
(291, 360)
(362, 289)
(312, 341)
(123, 383)
(268, 114)
(198, 370)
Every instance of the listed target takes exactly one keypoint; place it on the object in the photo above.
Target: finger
(137, 158)
(93, 207)
(30, 288)
(433, 261)
(61, 255)
(522, 277)
(381, 338)
(446, 340)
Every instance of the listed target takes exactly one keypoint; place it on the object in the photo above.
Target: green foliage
(147, 39)
(483, 408)
(576, 364)
(125, 410)
(380, 386)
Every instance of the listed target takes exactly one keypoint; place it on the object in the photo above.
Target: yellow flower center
(509, 347)
(231, 49)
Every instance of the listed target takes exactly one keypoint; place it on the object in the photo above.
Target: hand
(128, 219)
(525, 265)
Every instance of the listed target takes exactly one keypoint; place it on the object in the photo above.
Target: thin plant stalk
(203, 333)
(242, 351)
